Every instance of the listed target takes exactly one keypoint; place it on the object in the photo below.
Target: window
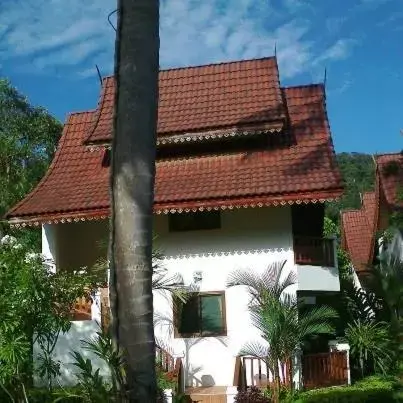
(195, 221)
(202, 315)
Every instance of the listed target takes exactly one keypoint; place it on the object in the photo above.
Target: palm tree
(132, 191)
(275, 313)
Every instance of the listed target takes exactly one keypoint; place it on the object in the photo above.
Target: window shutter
(212, 314)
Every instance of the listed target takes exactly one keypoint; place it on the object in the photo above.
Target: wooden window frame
(176, 305)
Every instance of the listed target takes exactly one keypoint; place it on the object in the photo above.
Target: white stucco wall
(73, 246)
(318, 278)
(249, 239)
(69, 342)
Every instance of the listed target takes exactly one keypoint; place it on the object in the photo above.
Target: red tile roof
(205, 97)
(359, 227)
(76, 184)
(390, 172)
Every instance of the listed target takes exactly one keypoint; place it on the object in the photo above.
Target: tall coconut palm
(132, 191)
(275, 313)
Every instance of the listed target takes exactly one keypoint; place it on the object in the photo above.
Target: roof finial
(325, 78)
(275, 49)
(109, 18)
(99, 74)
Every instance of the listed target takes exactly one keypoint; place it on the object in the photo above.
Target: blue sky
(49, 48)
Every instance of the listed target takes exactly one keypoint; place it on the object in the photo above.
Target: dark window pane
(201, 220)
(212, 314)
(189, 316)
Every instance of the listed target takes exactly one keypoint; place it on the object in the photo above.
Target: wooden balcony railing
(82, 309)
(314, 251)
(253, 371)
(325, 369)
(164, 359)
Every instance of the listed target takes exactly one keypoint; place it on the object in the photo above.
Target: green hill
(358, 171)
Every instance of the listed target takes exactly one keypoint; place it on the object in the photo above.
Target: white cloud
(334, 24)
(340, 50)
(45, 35)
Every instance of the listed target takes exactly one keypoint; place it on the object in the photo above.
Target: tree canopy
(28, 139)
(358, 172)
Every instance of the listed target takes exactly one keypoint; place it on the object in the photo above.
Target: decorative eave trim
(214, 135)
(197, 137)
(239, 205)
(208, 205)
(67, 218)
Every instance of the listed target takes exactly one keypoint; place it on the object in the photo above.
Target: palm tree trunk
(132, 191)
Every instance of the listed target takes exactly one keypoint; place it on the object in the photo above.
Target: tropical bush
(35, 306)
(373, 321)
(369, 390)
(252, 395)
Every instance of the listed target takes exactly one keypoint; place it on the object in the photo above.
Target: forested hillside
(358, 171)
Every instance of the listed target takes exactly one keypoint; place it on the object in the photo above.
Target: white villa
(244, 167)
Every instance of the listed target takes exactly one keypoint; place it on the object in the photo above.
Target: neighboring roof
(205, 97)
(358, 231)
(76, 185)
(390, 172)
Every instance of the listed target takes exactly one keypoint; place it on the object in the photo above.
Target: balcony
(316, 263)
(314, 251)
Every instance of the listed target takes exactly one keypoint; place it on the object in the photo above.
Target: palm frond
(370, 341)
(272, 281)
(266, 285)
(317, 320)
(256, 349)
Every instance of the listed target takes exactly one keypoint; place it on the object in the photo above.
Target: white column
(335, 345)
(168, 395)
(297, 369)
(49, 242)
(96, 307)
(232, 391)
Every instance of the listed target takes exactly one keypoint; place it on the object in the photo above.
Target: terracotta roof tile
(391, 182)
(77, 182)
(194, 98)
(359, 227)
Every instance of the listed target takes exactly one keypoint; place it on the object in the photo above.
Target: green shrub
(369, 390)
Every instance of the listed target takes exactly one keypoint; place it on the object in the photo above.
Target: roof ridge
(207, 65)
(71, 114)
(290, 87)
(397, 154)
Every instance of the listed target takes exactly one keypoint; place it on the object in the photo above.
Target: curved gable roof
(359, 228)
(76, 185)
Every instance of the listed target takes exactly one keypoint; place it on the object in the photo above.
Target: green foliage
(330, 228)
(35, 306)
(370, 343)
(358, 173)
(28, 139)
(104, 348)
(370, 390)
(91, 387)
(251, 395)
(373, 319)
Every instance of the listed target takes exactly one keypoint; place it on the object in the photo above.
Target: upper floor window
(200, 220)
(202, 315)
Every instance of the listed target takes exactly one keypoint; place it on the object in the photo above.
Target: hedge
(369, 390)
